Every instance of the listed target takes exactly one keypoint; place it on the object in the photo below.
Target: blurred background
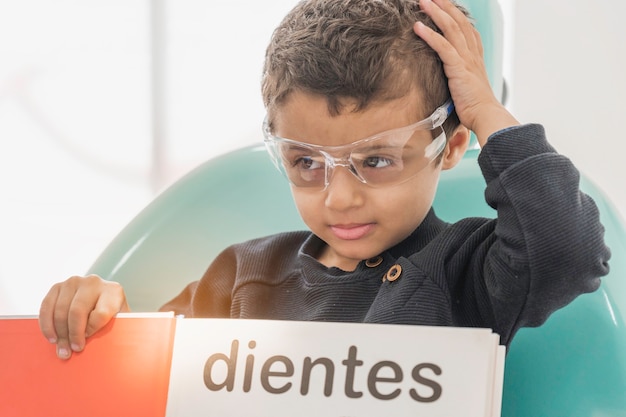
(86, 140)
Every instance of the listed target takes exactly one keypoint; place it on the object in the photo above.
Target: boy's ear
(456, 147)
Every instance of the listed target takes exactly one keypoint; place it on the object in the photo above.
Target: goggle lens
(384, 160)
(388, 158)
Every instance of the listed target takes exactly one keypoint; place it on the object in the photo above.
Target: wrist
(491, 121)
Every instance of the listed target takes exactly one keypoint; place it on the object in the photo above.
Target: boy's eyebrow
(377, 147)
(295, 145)
(374, 144)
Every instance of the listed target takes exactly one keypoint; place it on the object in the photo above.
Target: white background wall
(75, 122)
(568, 66)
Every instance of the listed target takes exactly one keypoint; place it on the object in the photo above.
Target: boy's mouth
(351, 231)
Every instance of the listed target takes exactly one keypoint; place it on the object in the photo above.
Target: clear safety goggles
(387, 158)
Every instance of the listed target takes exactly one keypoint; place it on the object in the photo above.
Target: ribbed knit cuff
(509, 146)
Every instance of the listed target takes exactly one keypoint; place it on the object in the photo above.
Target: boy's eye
(307, 163)
(377, 162)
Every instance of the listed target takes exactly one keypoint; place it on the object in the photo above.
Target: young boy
(362, 100)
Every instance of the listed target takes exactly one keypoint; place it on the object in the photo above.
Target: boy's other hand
(77, 308)
(461, 51)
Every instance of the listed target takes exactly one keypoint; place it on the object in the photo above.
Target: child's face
(356, 221)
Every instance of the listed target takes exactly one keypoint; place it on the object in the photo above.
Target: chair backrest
(574, 365)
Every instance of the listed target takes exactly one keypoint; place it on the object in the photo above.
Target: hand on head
(78, 307)
(461, 51)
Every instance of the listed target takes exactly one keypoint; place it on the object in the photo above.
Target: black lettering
(231, 364)
(373, 379)
(419, 378)
(247, 376)
(351, 362)
(266, 373)
(306, 375)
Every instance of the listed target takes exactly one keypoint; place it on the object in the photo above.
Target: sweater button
(393, 273)
(374, 262)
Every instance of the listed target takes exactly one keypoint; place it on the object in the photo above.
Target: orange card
(124, 370)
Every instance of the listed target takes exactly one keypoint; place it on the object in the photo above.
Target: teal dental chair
(574, 365)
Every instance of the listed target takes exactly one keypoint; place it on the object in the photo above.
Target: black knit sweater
(545, 248)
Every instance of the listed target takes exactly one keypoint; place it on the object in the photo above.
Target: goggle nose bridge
(331, 162)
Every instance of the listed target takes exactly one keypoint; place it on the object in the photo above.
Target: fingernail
(52, 340)
(63, 353)
(76, 347)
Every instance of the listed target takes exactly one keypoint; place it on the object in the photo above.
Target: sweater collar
(430, 227)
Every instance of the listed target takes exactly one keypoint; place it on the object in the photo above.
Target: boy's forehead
(306, 118)
(304, 106)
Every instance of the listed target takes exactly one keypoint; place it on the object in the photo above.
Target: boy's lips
(351, 231)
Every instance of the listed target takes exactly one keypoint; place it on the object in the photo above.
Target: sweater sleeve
(211, 295)
(549, 242)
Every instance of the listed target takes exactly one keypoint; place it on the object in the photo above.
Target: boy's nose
(343, 190)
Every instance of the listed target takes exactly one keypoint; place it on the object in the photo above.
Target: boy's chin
(345, 257)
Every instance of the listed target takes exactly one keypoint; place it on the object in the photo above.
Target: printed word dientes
(277, 372)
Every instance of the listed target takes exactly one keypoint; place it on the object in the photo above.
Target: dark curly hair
(363, 50)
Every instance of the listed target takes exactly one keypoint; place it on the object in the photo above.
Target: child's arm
(460, 49)
(77, 308)
(546, 246)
